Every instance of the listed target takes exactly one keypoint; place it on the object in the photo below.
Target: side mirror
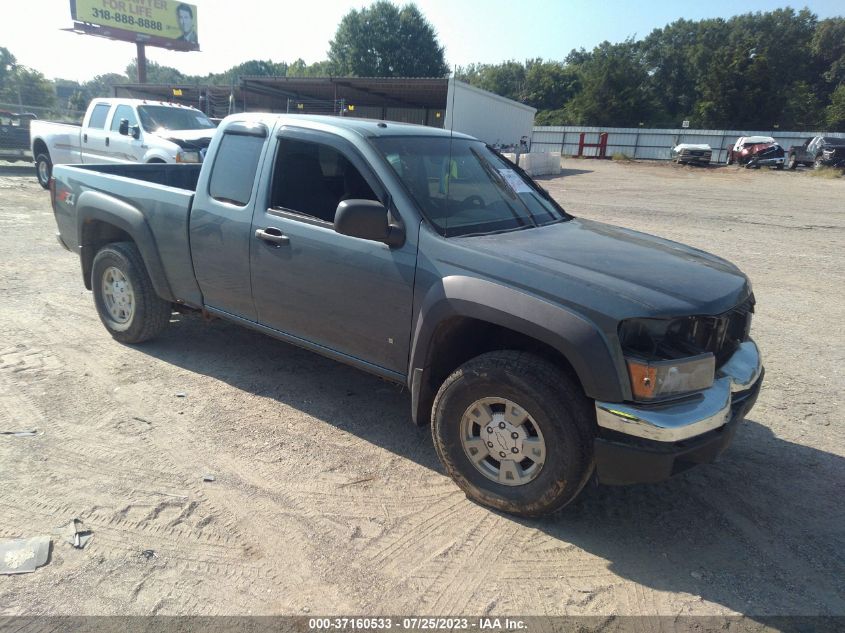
(124, 127)
(367, 220)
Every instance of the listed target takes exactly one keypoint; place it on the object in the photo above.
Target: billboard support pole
(142, 63)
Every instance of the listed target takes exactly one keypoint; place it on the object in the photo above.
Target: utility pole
(142, 62)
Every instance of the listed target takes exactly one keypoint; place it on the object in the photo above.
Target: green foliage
(386, 41)
(755, 71)
(300, 69)
(835, 112)
(828, 46)
(156, 74)
(24, 85)
(615, 87)
(8, 63)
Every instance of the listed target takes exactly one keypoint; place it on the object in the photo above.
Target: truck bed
(163, 195)
(177, 176)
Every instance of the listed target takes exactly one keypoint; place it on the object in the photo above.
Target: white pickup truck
(122, 131)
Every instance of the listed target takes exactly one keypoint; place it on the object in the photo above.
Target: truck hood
(188, 139)
(621, 272)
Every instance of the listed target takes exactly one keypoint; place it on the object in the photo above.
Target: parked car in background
(122, 131)
(756, 151)
(14, 135)
(817, 152)
(685, 153)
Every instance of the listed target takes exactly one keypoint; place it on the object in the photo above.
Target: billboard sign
(156, 22)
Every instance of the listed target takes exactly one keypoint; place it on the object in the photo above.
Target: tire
(817, 163)
(779, 166)
(124, 295)
(729, 158)
(547, 408)
(43, 169)
(793, 162)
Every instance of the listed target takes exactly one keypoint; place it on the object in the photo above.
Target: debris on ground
(76, 534)
(22, 556)
(208, 477)
(181, 394)
(26, 433)
(149, 554)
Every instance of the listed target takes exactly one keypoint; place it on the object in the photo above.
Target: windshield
(463, 187)
(169, 118)
(832, 140)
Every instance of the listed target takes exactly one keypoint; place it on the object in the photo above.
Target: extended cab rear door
(221, 218)
(93, 144)
(350, 295)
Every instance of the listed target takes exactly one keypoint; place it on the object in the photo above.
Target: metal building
(437, 102)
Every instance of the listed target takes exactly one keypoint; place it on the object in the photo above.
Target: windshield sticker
(514, 181)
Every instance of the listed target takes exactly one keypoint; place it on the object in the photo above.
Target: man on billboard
(186, 23)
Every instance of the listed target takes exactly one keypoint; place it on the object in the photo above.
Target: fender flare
(96, 206)
(576, 338)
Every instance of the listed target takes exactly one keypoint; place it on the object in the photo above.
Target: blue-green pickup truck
(545, 351)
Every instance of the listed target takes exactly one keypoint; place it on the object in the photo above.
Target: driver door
(350, 295)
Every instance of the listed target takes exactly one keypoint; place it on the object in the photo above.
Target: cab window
(313, 178)
(234, 168)
(123, 112)
(98, 116)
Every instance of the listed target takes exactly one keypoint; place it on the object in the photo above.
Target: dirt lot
(327, 500)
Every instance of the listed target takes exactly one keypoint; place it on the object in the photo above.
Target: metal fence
(652, 144)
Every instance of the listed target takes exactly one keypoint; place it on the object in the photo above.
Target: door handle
(107, 141)
(85, 138)
(272, 235)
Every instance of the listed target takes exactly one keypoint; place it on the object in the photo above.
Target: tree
(506, 79)
(8, 63)
(386, 41)
(828, 45)
(835, 112)
(615, 87)
(156, 74)
(300, 69)
(549, 85)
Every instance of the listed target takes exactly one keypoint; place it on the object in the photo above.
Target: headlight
(187, 157)
(655, 380)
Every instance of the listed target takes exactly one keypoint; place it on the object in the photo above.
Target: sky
(234, 31)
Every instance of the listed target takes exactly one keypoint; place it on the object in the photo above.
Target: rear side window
(234, 168)
(98, 116)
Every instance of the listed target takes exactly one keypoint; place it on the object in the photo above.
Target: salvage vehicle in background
(14, 135)
(685, 153)
(543, 349)
(817, 152)
(122, 131)
(756, 151)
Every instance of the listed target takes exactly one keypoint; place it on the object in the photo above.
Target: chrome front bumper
(682, 419)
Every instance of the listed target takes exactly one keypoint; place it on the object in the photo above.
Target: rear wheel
(43, 169)
(515, 433)
(124, 295)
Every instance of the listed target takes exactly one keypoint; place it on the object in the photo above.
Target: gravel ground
(327, 500)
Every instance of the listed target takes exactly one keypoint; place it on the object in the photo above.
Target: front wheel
(124, 295)
(818, 163)
(43, 169)
(515, 433)
(793, 162)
